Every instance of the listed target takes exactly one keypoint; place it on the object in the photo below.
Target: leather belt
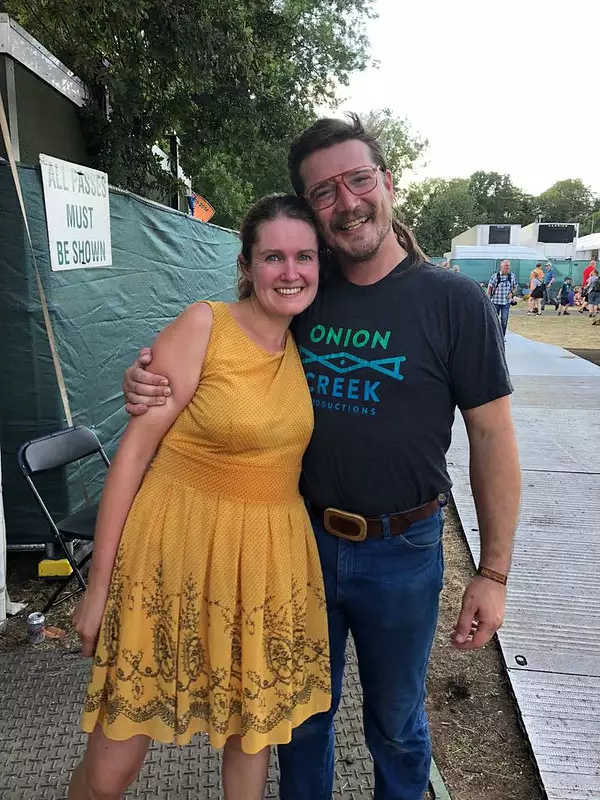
(357, 528)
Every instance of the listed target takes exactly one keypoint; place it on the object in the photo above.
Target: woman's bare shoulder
(183, 340)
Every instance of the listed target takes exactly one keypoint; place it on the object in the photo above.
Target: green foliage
(401, 146)
(566, 201)
(590, 224)
(236, 79)
(497, 200)
(437, 210)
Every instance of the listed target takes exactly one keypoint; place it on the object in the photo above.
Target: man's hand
(481, 615)
(143, 389)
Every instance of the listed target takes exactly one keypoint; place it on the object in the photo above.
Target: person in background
(549, 279)
(564, 297)
(584, 281)
(501, 290)
(536, 290)
(455, 268)
(593, 295)
(445, 264)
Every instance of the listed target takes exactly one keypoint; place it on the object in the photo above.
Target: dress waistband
(253, 484)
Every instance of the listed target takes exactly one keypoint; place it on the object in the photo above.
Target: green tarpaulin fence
(162, 261)
(482, 269)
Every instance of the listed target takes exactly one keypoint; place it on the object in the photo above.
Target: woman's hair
(273, 206)
(328, 132)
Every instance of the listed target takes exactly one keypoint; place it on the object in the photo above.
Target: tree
(497, 200)
(401, 146)
(235, 80)
(437, 210)
(590, 224)
(566, 201)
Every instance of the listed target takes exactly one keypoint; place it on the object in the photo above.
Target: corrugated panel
(561, 714)
(553, 606)
(555, 439)
(551, 635)
(574, 394)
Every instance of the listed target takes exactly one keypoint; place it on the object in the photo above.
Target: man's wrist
(492, 575)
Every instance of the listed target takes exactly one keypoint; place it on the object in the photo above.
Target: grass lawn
(573, 332)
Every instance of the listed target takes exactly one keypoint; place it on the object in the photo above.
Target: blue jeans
(502, 311)
(386, 592)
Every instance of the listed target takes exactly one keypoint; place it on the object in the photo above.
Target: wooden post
(174, 154)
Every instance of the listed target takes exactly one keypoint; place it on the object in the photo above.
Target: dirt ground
(24, 586)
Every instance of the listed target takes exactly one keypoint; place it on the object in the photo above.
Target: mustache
(344, 219)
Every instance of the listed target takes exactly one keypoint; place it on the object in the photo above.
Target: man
(548, 281)
(386, 372)
(585, 278)
(501, 289)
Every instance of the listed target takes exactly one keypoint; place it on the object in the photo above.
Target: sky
(512, 87)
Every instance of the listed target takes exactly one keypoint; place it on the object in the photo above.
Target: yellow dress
(216, 617)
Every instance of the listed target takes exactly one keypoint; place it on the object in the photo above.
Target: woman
(214, 617)
(593, 295)
(536, 287)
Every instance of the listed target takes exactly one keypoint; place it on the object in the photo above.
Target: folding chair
(51, 452)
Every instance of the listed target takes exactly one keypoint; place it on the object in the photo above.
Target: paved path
(551, 636)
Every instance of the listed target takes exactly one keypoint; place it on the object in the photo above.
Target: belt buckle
(330, 514)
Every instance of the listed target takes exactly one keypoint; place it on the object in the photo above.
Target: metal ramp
(551, 635)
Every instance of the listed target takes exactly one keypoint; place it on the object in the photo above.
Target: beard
(365, 247)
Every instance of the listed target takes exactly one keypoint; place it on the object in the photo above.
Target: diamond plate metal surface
(41, 694)
(551, 634)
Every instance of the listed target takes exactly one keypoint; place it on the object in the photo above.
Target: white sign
(77, 214)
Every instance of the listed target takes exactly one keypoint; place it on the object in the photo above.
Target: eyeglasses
(358, 181)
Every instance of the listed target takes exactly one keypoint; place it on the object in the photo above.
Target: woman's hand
(87, 618)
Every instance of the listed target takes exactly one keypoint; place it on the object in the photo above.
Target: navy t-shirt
(387, 364)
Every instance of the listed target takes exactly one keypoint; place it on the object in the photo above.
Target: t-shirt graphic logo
(346, 362)
(359, 394)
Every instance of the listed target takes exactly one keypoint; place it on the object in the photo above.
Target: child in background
(564, 298)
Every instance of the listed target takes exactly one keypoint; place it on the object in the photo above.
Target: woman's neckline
(252, 341)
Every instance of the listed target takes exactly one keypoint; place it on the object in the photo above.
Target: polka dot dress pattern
(216, 618)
